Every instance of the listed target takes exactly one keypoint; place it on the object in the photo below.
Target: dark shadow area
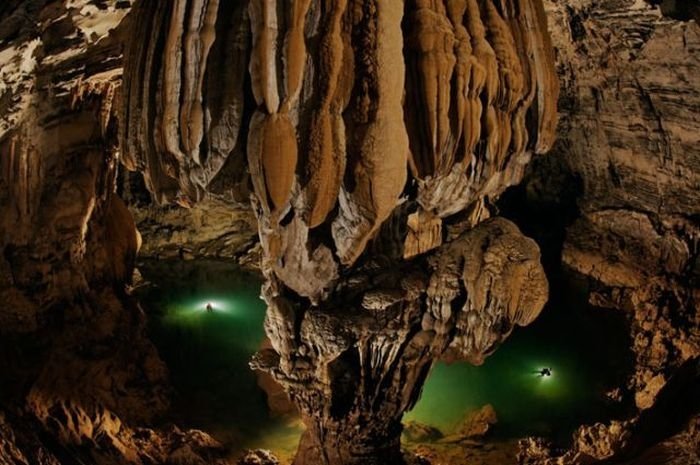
(587, 348)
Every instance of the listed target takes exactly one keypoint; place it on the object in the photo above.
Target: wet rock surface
(374, 139)
(627, 143)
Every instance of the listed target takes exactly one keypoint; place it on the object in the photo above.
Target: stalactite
(176, 136)
(430, 64)
(547, 80)
(370, 123)
(331, 134)
(326, 158)
(378, 174)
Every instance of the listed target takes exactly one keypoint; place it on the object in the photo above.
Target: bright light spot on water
(217, 305)
(194, 310)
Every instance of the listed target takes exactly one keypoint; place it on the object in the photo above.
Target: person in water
(210, 308)
(545, 372)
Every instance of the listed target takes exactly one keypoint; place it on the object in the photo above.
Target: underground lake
(207, 352)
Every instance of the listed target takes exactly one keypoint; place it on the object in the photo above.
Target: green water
(207, 353)
(586, 348)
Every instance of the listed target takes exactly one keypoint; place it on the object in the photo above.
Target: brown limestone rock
(499, 271)
(329, 134)
(354, 363)
(180, 140)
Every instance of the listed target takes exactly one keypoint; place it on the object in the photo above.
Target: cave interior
(349, 232)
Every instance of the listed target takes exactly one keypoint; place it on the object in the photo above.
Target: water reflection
(207, 353)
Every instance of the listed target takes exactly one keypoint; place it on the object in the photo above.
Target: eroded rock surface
(372, 137)
(362, 360)
(629, 138)
(82, 377)
(366, 126)
(328, 133)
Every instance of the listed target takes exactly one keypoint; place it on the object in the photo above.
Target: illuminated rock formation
(328, 131)
(374, 131)
(68, 248)
(356, 364)
(375, 136)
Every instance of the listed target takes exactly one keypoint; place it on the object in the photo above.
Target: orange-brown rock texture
(628, 139)
(80, 378)
(328, 130)
(351, 121)
(358, 120)
(367, 142)
(354, 365)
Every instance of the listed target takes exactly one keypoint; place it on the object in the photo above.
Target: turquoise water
(207, 353)
(586, 348)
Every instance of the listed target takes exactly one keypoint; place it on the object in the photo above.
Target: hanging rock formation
(328, 131)
(375, 126)
(372, 137)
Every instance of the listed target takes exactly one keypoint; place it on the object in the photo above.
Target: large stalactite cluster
(372, 138)
(464, 92)
(365, 125)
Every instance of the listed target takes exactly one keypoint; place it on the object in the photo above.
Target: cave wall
(80, 377)
(627, 156)
(630, 133)
(63, 229)
(345, 166)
